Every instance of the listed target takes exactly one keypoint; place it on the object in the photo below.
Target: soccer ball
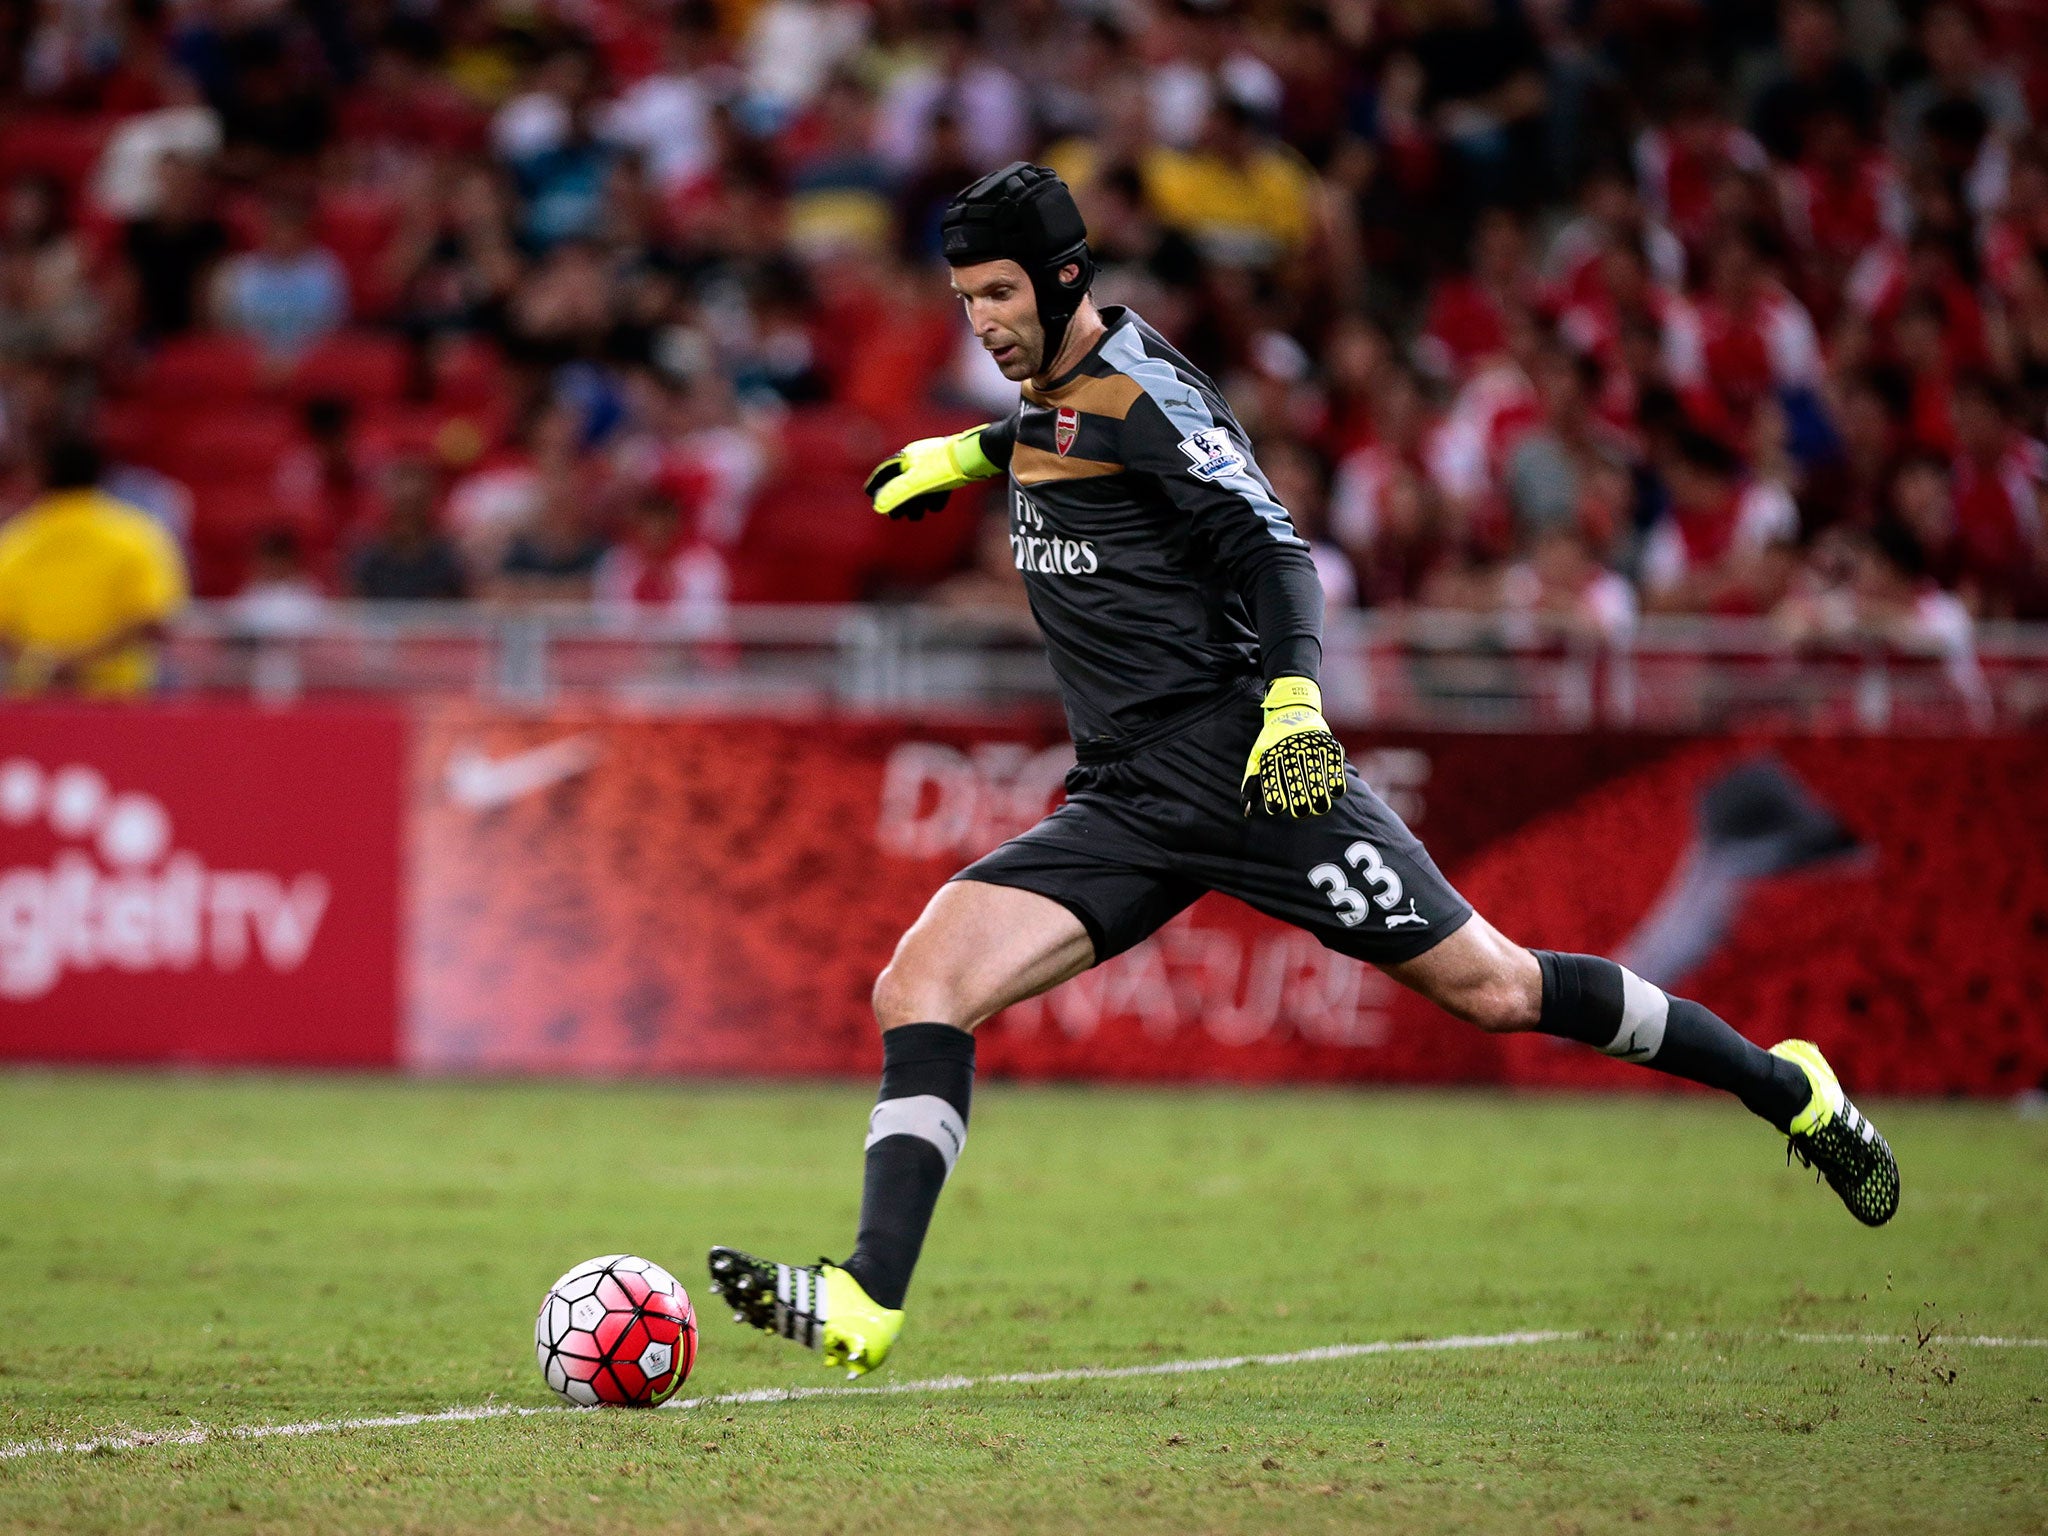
(616, 1330)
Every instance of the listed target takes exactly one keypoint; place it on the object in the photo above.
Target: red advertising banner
(602, 893)
(199, 882)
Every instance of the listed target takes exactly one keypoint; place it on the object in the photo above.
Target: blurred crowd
(1571, 308)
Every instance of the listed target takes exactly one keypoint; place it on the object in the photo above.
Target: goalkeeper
(1183, 619)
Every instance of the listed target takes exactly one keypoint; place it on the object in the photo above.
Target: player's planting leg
(1479, 975)
(977, 949)
(917, 1130)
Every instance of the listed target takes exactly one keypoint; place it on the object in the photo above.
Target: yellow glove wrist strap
(1292, 693)
(963, 449)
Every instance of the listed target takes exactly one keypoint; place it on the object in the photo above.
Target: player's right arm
(918, 477)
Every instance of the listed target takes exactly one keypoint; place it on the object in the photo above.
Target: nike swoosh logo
(479, 782)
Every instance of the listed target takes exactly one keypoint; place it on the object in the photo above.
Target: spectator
(288, 292)
(1564, 471)
(1244, 198)
(839, 189)
(724, 252)
(990, 589)
(324, 484)
(562, 185)
(1816, 77)
(793, 47)
(1486, 94)
(280, 599)
(130, 182)
(557, 554)
(657, 568)
(505, 494)
(408, 559)
(1681, 161)
(87, 584)
(1300, 482)
(1864, 589)
(1470, 312)
(452, 264)
(1959, 73)
(1997, 476)
(958, 79)
(1610, 216)
(48, 309)
(1922, 507)
(1565, 589)
(172, 249)
(666, 116)
(1722, 546)
(1757, 339)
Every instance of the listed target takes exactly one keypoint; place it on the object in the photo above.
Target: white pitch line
(1325, 1352)
(787, 1394)
(1977, 1340)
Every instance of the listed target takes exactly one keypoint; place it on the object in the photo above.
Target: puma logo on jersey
(1396, 919)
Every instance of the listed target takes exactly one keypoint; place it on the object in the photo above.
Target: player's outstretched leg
(977, 949)
(1479, 975)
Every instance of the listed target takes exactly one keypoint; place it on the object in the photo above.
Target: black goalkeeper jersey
(1161, 568)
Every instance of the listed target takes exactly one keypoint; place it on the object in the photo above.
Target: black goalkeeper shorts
(1141, 836)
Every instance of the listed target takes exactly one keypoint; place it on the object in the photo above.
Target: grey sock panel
(916, 1132)
(1612, 1009)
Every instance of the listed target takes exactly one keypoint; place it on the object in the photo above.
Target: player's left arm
(1296, 766)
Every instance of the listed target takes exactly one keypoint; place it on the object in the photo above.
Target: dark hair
(1892, 388)
(71, 464)
(1986, 387)
(328, 415)
(1707, 453)
(1896, 546)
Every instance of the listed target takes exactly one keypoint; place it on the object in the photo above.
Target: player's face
(1003, 312)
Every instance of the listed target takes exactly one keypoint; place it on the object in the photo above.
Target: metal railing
(1412, 668)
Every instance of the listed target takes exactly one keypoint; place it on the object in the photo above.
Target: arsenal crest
(1066, 425)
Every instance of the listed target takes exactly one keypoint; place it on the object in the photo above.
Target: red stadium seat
(65, 145)
(204, 366)
(357, 226)
(239, 445)
(363, 366)
(468, 372)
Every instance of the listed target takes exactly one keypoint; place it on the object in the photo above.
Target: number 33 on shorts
(1371, 870)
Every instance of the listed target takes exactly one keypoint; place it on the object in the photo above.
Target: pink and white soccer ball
(616, 1330)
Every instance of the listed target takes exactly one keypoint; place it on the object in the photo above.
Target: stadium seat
(243, 444)
(358, 226)
(204, 366)
(65, 145)
(364, 366)
(468, 372)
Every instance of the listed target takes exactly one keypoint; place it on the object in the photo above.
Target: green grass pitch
(219, 1252)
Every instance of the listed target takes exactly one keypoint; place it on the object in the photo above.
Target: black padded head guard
(1025, 213)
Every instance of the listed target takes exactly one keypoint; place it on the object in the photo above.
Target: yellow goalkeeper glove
(919, 476)
(1297, 766)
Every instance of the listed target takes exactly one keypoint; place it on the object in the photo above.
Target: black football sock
(1614, 1010)
(917, 1130)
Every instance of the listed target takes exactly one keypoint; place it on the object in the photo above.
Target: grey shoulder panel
(1213, 445)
